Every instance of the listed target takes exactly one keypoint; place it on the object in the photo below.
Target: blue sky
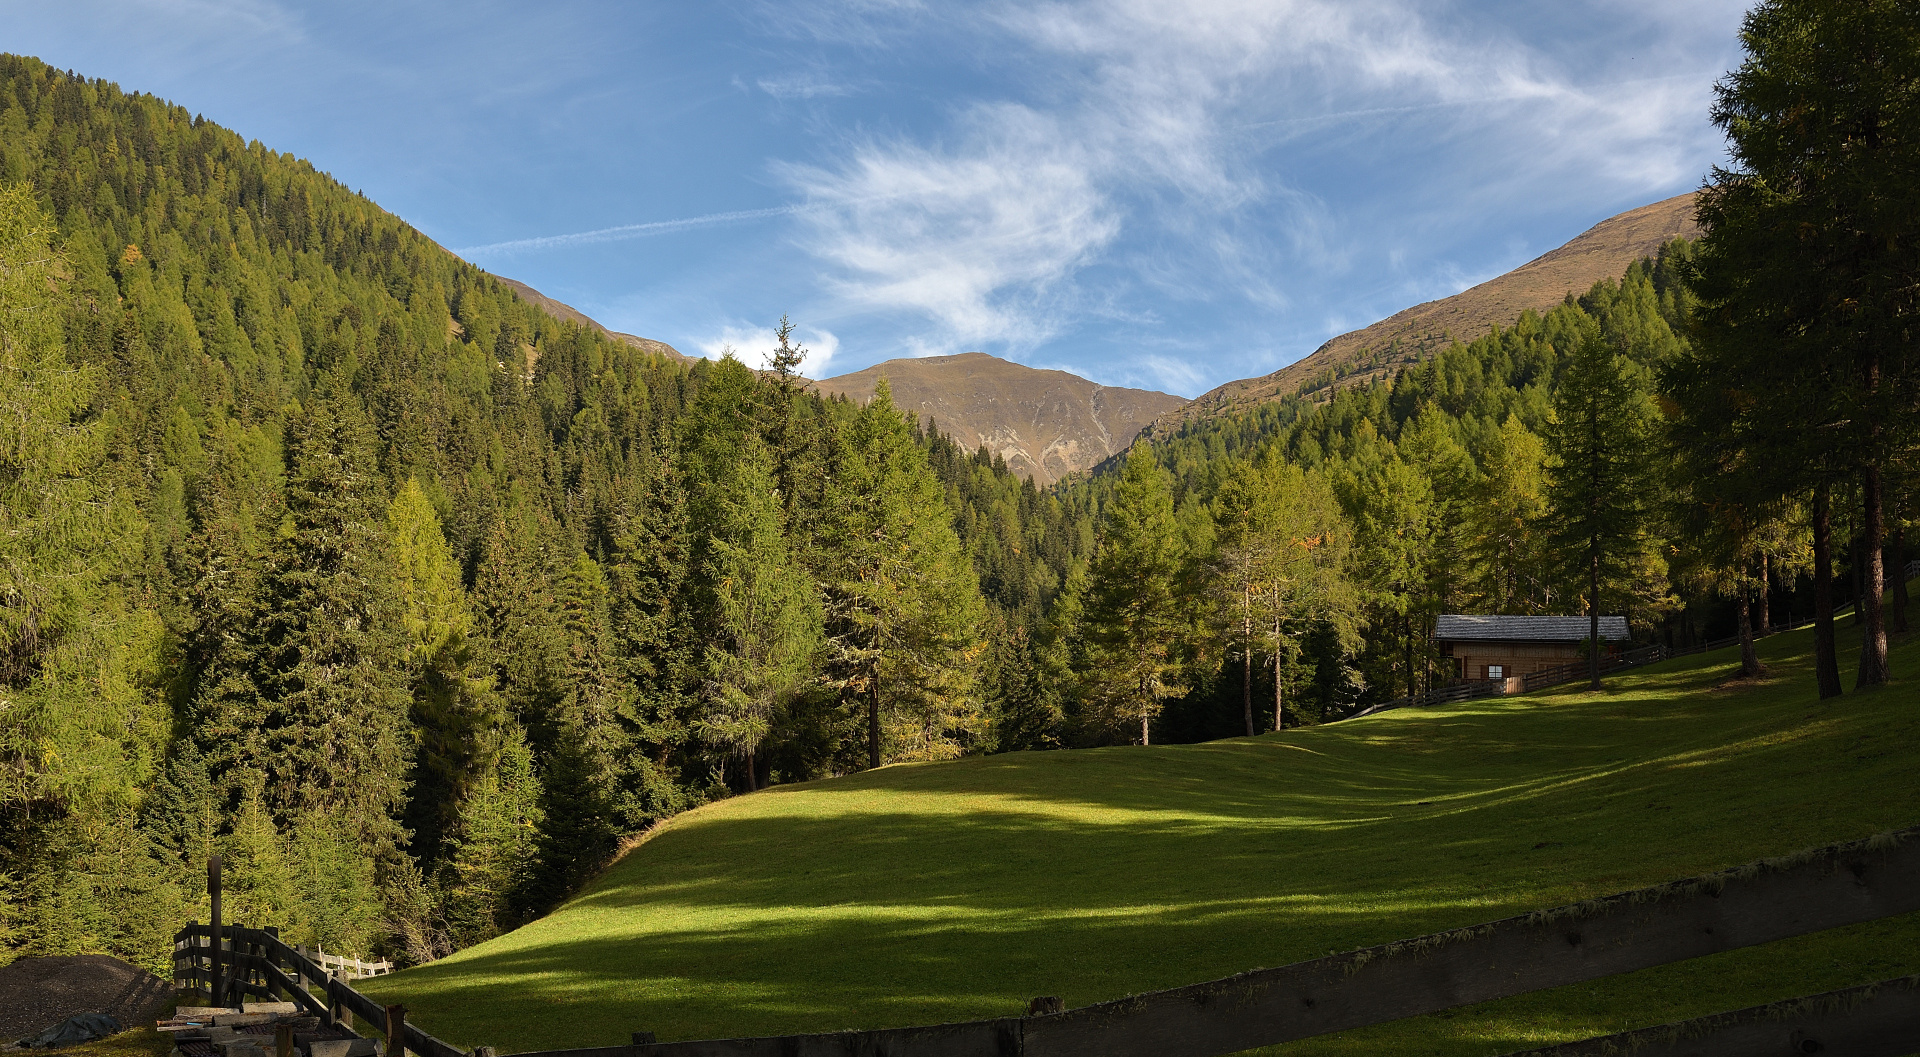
(1159, 194)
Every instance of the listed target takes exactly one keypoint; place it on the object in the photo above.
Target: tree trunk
(1593, 614)
(1406, 625)
(1899, 574)
(873, 720)
(1762, 610)
(1145, 737)
(1873, 644)
(1826, 661)
(753, 779)
(1743, 615)
(1856, 566)
(1246, 657)
(1279, 688)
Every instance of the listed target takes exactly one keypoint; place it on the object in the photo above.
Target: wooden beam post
(213, 893)
(273, 990)
(396, 1031)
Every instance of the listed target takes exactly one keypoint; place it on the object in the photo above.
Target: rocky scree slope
(1046, 424)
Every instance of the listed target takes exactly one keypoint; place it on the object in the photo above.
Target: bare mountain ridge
(1601, 252)
(1046, 424)
(562, 310)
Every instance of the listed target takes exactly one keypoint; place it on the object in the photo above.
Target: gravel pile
(37, 993)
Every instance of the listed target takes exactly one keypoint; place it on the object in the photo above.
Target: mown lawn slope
(953, 891)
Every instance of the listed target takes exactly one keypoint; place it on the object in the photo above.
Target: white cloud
(973, 238)
(754, 347)
(1183, 116)
(811, 85)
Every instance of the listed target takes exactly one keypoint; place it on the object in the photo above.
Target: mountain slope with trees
(1410, 335)
(330, 551)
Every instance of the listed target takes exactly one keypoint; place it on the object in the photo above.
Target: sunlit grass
(952, 891)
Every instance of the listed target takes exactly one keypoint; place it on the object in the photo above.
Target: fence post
(213, 891)
(273, 989)
(396, 1031)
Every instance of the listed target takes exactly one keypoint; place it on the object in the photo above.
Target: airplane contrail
(626, 231)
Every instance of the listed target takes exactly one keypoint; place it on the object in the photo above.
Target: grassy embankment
(953, 891)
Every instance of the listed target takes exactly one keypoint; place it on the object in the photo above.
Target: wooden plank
(356, 1003)
(1877, 1020)
(294, 991)
(1774, 899)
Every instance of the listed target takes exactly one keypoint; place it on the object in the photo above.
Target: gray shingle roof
(1525, 629)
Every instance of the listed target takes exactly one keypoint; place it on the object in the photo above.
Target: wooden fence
(254, 963)
(1441, 696)
(349, 967)
(1775, 899)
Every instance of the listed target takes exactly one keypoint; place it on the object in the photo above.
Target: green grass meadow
(953, 891)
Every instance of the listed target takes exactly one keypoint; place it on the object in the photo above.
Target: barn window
(1496, 671)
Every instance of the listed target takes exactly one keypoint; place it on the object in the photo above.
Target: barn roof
(1459, 627)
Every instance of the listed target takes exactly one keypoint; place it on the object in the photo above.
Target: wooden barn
(1502, 647)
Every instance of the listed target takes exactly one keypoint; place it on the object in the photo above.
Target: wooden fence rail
(1824, 888)
(257, 964)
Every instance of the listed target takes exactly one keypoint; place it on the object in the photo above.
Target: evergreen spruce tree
(1135, 620)
(903, 602)
(455, 710)
(332, 727)
(1602, 476)
(766, 617)
(491, 863)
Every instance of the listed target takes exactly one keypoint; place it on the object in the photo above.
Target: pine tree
(903, 602)
(331, 730)
(1302, 585)
(82, 728)
(766, 617)
(1135, 620)
(1602, 475)
(1504, 542)
(455, 710)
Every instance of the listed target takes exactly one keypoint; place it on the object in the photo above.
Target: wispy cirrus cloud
(624, 232)
(974, 238)
(1179, 123)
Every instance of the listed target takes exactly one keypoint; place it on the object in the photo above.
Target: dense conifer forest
(324, 550)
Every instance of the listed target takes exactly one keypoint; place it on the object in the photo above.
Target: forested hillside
(326, 550)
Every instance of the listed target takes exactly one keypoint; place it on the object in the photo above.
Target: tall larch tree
(1811, 253)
